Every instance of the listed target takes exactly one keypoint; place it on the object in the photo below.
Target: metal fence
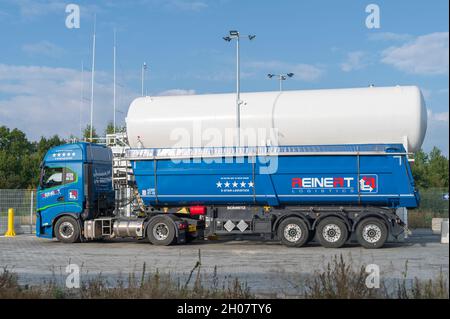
(24, 203)
(433, 200)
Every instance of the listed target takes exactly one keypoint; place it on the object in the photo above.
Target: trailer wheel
(371, 233)
(161, 231)
(332, 232)
(67, 230)
(293, 232)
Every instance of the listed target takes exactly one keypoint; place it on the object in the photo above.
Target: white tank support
(311, 117)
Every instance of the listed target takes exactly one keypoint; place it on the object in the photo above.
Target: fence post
(31, 211)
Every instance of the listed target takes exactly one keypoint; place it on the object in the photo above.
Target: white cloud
(425, 55)
(45, 48)
(33, 8)
(178, 5)
(389, 36)
(187, 5)
(439, 117)
(176, 92)
(43, 101)
(437, 132)
(303, 72)
(356, 60)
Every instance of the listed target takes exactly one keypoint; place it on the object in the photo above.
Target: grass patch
(422, 218)
(337, 280)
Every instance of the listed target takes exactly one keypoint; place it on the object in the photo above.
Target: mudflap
(195, 229)
(182, 235)
(399, 231)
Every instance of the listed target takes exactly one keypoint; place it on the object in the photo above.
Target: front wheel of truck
(67, 230)
(160, 231)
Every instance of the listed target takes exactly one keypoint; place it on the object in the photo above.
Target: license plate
(192, 228)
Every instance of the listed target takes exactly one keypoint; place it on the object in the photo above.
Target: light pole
(236, 35)
(281, 78)
(144, 68)
(93, 80)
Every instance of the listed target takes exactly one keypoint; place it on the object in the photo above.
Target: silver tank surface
(311, 117)
(128, 228)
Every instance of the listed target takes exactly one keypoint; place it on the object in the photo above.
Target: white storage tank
(311, 117)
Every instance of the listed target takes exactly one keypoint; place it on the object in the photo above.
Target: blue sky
(325, 43)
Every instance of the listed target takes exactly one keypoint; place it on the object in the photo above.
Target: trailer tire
(67, 230)
(161, 231)
(371, 233)
(293, 232)
(332, 232)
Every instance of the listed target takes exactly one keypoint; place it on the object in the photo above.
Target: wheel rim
(292, 233)
(331, 233)
(371, 233)
(66, 230)
(161, 231)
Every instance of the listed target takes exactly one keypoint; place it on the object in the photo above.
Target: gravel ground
(265, 266)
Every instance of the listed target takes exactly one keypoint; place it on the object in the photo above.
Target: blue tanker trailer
(334, 192)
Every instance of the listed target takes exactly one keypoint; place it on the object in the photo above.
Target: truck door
(58, 193)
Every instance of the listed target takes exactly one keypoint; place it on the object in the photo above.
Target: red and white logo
(73, 194)
(368, 183)
(322, 182)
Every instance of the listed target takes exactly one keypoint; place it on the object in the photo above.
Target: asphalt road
(265, 266)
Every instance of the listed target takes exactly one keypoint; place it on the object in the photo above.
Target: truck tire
(332, 232)
(161, 232)
(293, 232)
(67, 230)
(371, 233)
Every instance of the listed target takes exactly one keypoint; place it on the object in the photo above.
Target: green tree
(15, 151)
(110, 128)
(438, 168)
(430, 170)
(420, 169)
(87, 134)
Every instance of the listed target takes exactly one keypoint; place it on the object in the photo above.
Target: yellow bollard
(10, 232)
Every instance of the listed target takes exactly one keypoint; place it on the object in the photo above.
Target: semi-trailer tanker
(337, 169)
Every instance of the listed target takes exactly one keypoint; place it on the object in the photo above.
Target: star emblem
(251, 184)
(219, 185)
(227, 184)
(243, 184)
(235, 184)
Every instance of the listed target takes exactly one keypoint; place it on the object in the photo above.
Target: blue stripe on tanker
(377, 175)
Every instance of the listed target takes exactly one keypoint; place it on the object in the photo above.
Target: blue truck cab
(75, 181)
